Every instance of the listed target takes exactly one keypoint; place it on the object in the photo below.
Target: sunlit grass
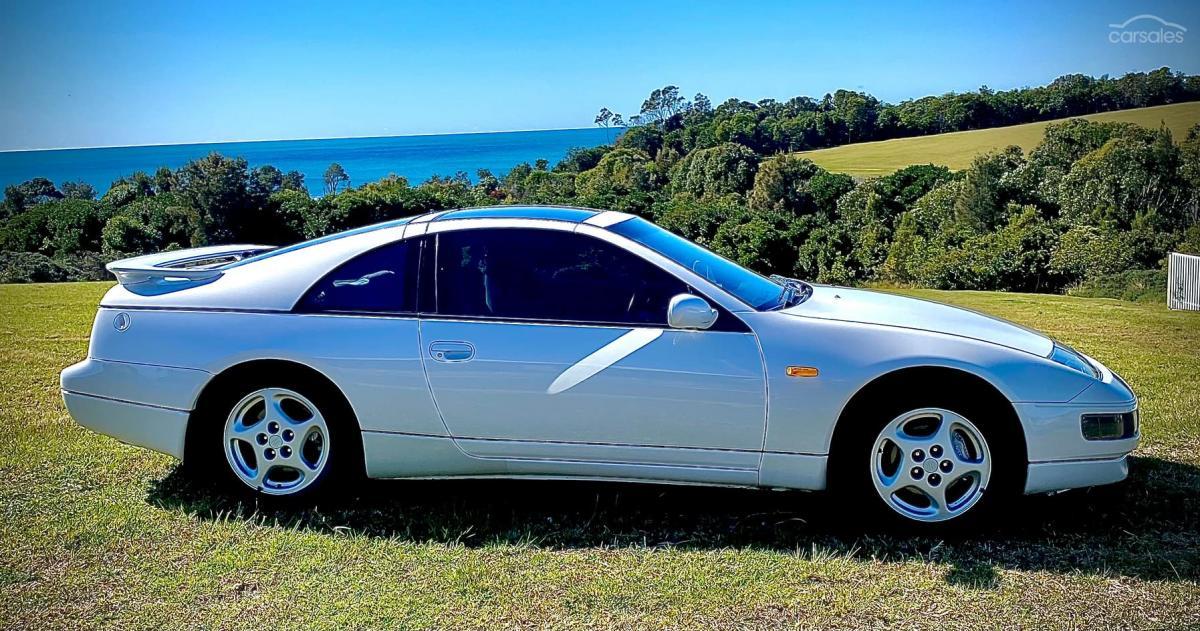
(956, 150)
(95, 534)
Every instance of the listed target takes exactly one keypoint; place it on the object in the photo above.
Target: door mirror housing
(687, 311)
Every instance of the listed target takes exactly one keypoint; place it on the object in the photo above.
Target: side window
(523, 273)
(382, 280)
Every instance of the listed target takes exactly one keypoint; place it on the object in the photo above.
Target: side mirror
(690, 312)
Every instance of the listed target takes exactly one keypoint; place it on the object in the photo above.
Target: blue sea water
(365, 159)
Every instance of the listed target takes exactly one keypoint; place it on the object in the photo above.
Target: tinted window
(382, 281)
(548, 275)
(751, 288)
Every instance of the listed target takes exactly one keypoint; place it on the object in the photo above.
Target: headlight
(1068, 357)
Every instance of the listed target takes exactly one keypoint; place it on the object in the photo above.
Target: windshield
(749, 287)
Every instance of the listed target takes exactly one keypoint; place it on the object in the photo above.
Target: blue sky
(94, 74)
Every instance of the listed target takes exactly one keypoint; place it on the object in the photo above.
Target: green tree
(125, 235)
(662, 105)
(55, 228)
(169, 218)
(579, 159)
(293, 181)
(335, 178)
(264, 181)
(218, 188)
(782, 184)
(624, 179)
(986, 190)
(78, 190)
(18, 197)
(619, 172)
(698, 220)
(716, 171)
(1131, 179)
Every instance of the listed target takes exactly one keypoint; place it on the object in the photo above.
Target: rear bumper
(160, 429)
(1044, 477)
(138, 404)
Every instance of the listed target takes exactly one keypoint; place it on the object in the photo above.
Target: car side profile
(554, 342)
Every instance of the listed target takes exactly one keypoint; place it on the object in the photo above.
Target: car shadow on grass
(1146, 527)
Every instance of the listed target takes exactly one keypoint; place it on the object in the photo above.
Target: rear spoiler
(180, 268)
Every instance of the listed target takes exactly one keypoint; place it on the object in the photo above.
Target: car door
(358, 326)
(545, 343)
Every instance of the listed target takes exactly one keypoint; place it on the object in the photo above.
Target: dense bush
(1139, 285)
(716, 171)
(32, 267)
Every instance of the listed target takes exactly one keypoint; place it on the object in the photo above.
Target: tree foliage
(1091, 203)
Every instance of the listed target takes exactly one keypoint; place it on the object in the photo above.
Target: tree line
(847, 116)
(1093, 205)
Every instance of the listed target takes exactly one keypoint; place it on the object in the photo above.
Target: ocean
(365, 159)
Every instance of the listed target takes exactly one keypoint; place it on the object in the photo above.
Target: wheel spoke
(906, 443)
(938, 495)
(244, 432)
(274, 408)
(967, 468)
(294, 458)
(944, 435)
(895, 482)
(307, 427)
(259, 477)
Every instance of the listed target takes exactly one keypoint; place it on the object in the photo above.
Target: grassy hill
(956, 150)
(96, 534)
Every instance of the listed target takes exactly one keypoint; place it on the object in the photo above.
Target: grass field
(956, 150)
(95, 534)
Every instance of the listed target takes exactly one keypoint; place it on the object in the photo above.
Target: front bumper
(1060, 457)
(1044, 477)
(139, 404)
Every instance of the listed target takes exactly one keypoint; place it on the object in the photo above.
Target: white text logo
(1146, 29)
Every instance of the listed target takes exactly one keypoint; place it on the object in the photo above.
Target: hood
(872, 307)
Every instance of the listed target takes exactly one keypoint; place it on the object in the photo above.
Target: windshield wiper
(794, 291)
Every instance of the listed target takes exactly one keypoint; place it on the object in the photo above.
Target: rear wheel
(285, 437)
(276, 441)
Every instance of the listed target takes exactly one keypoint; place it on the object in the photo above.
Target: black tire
(206, 443)
(853, 488)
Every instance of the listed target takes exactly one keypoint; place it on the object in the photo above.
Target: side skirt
(390, 455)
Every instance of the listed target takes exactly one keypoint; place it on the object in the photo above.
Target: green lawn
(956, 150)
(95, 534)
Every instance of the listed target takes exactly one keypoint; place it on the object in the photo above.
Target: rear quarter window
(382, 280)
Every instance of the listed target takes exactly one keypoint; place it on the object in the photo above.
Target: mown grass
(95, 534)
(956, 150)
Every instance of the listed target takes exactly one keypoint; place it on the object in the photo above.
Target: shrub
(1086, 252)
(32, 267)
(127, 235)
(720, 170)
(1136, 285)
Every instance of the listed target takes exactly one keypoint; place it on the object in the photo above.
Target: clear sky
(118, 73)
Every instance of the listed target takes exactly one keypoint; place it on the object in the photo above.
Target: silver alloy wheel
(276, 441)
(931, 464)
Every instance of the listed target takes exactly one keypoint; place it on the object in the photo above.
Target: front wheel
(930, 466)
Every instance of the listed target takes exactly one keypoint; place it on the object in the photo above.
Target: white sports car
(553, 342)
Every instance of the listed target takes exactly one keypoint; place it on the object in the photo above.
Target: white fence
(1183, 282)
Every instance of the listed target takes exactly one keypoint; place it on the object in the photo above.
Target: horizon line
(260, 140)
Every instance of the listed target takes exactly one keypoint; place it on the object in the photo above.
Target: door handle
(451, 351)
